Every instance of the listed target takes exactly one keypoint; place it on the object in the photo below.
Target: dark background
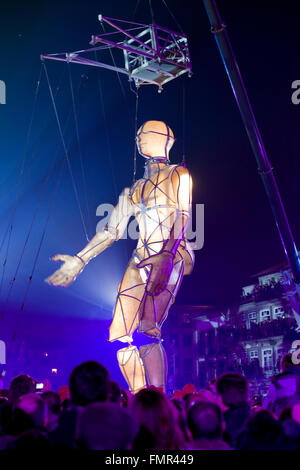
(240, 234)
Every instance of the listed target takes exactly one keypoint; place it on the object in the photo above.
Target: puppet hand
(161, 269)
(68, 272)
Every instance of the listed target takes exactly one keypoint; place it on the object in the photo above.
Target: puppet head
(154, 140)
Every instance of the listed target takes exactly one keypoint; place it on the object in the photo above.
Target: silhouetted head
(89, 383)
(263, 431)
(286, 362)
(52, 401)
(159, 416)
(205, 420)
(106, 426)
(233, 388)
(20, 385)
(29, 413)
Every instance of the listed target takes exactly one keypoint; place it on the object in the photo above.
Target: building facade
(249, 337)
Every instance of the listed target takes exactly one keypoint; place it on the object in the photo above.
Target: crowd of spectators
(93, 413)
(265, 291)
(228, 337)
(265, 329)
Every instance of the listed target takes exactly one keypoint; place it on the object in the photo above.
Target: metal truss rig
(151, 54)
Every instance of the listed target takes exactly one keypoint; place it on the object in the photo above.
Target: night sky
(240, 234)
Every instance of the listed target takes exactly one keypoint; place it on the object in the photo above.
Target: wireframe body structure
(161, 204)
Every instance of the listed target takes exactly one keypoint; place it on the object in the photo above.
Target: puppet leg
(125, 322)
(126, 313)
(155, 363)
(136, 308)
(154, 311)
(132, 368)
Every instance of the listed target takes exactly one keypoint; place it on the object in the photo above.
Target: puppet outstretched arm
(73, 265)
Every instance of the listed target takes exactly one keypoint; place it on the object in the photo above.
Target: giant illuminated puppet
(161, 203)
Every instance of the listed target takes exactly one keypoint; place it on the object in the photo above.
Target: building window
(278, 312)
(267, 359)
(252, 317)
(254, 354)
(280, 353)
(265, 315)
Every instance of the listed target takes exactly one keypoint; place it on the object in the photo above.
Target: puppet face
(154, 140)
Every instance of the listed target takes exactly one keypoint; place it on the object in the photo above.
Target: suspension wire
(48, 175)
(50, 171)
(66, 152)
(135, 128)
(183, 125)
(51, 206)
(151, 11)
(26, 145)
(19, 185)
(114, 62)
(5, 259)
(122, 89)
(135, 10)
(106, 131)
(25, 178)
(173, 16)
(78, 144)
(27, 237)
(4, 236)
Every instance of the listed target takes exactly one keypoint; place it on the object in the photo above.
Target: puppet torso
(156, 203)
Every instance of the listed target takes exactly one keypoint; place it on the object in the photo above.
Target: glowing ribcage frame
(159, 201)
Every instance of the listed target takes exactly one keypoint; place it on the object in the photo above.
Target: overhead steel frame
(151, 54)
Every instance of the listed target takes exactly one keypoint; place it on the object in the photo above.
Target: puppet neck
(153, 165)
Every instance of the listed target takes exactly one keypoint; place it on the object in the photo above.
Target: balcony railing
(263, 292)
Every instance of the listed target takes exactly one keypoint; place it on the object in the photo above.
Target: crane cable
(108, 143)
(66, 152)
(19, 184)
(75, 117)
(47, 178)
(51, 205)
(25, 178)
